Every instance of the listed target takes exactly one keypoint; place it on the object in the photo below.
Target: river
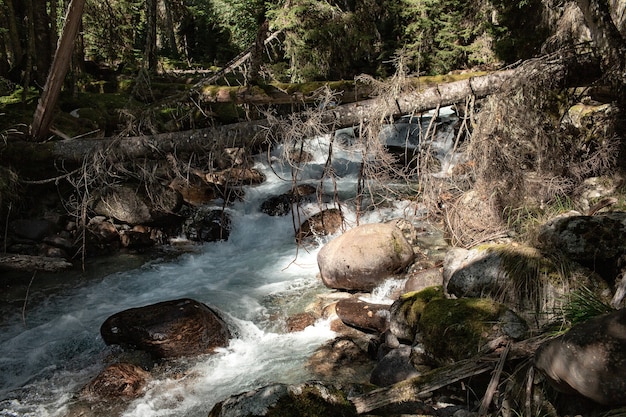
(256, 279)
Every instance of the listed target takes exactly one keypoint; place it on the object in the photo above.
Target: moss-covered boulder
(311, 399)
(458, 329)
(406, 311)
(523, 277)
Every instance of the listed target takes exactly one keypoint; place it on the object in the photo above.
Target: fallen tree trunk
(29, 263)
(414, 388)
(253, 133)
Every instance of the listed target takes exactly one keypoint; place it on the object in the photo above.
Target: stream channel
(256, 279)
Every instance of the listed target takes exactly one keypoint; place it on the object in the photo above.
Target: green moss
(311, 403)
(457, 329)
(433, 80)
(413, 303)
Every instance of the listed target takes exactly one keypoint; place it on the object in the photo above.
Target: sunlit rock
(168, 329)
(194, 191)
(418, 280)
(590, 359)
(236, 176)
(311, 399)
(522, 277)
(363, 257)
(130, 204)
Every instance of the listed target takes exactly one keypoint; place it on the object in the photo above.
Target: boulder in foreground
(175, 328)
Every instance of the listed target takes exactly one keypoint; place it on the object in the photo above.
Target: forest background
(157, 60)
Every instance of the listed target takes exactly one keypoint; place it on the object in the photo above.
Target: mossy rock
(407, 310)
(311, 399)
(458, 329)
(527, 279)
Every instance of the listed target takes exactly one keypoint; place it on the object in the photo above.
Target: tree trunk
(256, 54)
(169, 29)
(604, 33)
(150, 54)
(43, 44)
(14, 37)
(62, 58)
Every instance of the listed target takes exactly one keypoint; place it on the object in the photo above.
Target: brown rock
(194, 192)
(326, 222)
(120, 380)
(363, 315)
(300, 321)
(175, 328)
(341, 361)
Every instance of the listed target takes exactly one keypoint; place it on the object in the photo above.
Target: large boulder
(406, 311)
(595, 241)
(311, 399)
(517, 275)
(175, 328)
(363, 257)
(589, 360)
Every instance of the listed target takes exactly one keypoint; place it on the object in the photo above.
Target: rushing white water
(256, 279)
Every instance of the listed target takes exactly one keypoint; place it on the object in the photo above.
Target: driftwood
(251, 133)
(414, 388)
(14, 262)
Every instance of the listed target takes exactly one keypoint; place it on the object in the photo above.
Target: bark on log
(252, 133)
(411, 389)
(14, 262)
